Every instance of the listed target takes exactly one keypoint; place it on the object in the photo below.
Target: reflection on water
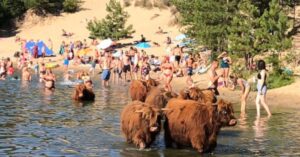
(35, 122)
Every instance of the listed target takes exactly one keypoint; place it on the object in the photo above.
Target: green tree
(242, 31)
(113, 25)
(272, 34)
(208, 21)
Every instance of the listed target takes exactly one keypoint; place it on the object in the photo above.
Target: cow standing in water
(84, 92)
(140, 124)
(139, 89)
(191, 123)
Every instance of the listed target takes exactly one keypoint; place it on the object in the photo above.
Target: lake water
(38, 123)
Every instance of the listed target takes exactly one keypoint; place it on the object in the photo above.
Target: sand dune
(144, 22)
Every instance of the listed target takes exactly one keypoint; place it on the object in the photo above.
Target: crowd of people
(121, 66)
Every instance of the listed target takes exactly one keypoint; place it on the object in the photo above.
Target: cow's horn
(139, 111)
(165, 109)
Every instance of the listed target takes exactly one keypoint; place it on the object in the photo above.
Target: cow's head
(152, 116)
(79, 91)
(225, 113)
(151, 83)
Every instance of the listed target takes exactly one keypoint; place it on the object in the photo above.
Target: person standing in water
(26, 76)
(262, 88)
(106, 65)
(245, 87)
(49, 80)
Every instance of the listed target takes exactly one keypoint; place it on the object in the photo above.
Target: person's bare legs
(226, 73)
(257, 105)
(262, 100)
(244, 100)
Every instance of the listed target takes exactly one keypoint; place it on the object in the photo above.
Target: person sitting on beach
(49, 80)
(26, 76)
(143, 39)
(65, 34)
(168, 41)
(167, 73)
(245, 88)
(214, 77)
(159, 31)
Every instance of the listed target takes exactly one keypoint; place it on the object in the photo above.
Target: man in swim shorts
(106, 65)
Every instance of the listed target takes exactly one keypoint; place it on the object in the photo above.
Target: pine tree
(273, 29)
(242, 31)
(113, 25)
(272, 34)
(208, 21)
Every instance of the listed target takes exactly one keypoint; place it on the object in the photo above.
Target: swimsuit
(126, 68)
(224, 63)
(145, 71)
(190, 71)
(261, 88)
(105, 74)
(66, 62)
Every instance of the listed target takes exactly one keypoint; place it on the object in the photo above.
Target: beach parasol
(143, 45)
(104, 44)
(180, 37)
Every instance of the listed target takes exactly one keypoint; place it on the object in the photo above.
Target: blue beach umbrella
(143, 45)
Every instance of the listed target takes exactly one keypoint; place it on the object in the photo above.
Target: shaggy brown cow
(140, 123)
(138, 89)
(82, 93)
(197, 94)
(158, 97)
(191, 123)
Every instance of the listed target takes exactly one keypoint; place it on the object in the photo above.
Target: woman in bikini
(262, 88)
(49, 80)
(167, 73)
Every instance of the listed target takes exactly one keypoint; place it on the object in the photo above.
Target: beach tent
(143, 45)
(41, 46)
